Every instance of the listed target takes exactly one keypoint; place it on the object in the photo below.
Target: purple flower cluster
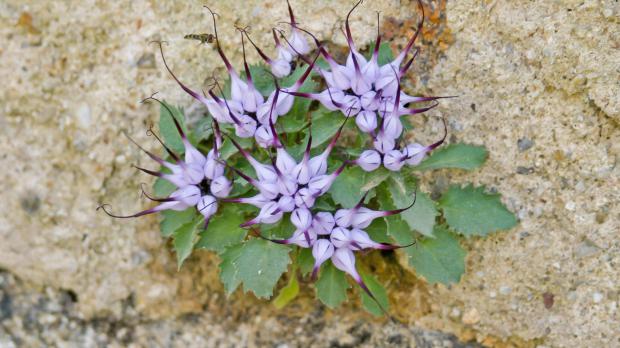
(360, 89)
(199, 179)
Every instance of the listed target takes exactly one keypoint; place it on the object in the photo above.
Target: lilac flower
(369, 160)
(322, 250)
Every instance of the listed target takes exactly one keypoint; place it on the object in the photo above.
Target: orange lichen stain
(25, 22)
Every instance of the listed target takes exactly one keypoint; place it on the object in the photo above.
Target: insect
(203, 38)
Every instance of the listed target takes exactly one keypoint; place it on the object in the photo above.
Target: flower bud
(287, 185)
(415, 153)
(362, 240)
(286, 204)
(284, 54)
(246, 127)
(269, 213)
(337, 78)
(188, 195)
(340, 237)
(252, 100)
(213, 168)
(366, 121)
(280, 68)
(193, 174)
(343, 217)
(393, 160)
(344, 260)
(301, 218)
(285, 162)
(383, 143)
(268, 189)
(322, 250)
(263, 136)
(351, 105)
(369, 101)
(207, 206)
(363, 217)
(298, 43)
(369, 160)
(304, 239)
(392, 127)
(323, 223)
(220, 187)
(301, 172)
(304, 198)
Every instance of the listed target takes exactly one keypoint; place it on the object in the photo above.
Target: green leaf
(262, 78)
(397, 228)
(325, 124)
(385, 53)
(228, 149)
(163, 188)
(287, 293)
(260, 265)
(185, 238)
(229, 273)
(305, 260)
(378, 292)
(378, 231)
(223, 230)
(172, 220)
(440, 259)
(375, 178)
(346, 189)
(420, 217)
(471, 212)
(460, 156)
(168, 130)
(280, 230)
(331, 287)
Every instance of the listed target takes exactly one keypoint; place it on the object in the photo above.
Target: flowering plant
(309, 159)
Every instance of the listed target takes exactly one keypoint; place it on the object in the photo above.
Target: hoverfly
(203, 38)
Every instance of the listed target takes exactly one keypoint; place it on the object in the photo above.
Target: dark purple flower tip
(258, 50)
(445, 134)
(189, 91)
(401, 56)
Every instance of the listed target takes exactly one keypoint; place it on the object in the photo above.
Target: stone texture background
(539, 85)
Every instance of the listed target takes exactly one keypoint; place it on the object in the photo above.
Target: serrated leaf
(471, 212)
(397, 228)
(378, 291)
(229, 273)
(223, 230)
(172, 220)
(260, 265)
(185, 238)
(168, 130)
(346, 189)
(440, 259)
(460, 156)
(287, 293)
(305, 260)
(420, 217)
(332, 285)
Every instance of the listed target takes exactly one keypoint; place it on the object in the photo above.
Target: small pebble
(524, 144)
(597, 297)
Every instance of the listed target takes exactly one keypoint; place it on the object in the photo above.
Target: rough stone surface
(542, 71)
